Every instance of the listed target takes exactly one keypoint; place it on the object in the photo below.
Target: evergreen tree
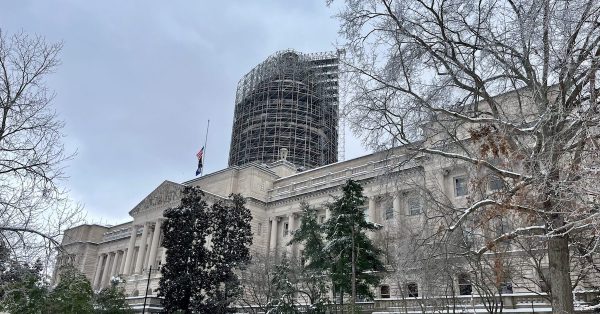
(283, 300)
(205, 246)
(185, 232)
(111, 300)
(355, 259)
(72, 295)
(314, 262)
(22, 289)
(231, 237)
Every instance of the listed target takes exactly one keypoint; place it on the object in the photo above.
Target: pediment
(166, 195)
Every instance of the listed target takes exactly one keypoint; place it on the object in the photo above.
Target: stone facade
(274, 195)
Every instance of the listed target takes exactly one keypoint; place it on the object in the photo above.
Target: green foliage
(111, 300)
(346, 232)
(310, 234)
(73, 294)
(199, 275)
(283, 300)
(22, 289)
(313, 272)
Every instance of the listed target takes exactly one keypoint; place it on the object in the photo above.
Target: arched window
(464, 284)
(135, 293)
(384, 291)
(412, 289)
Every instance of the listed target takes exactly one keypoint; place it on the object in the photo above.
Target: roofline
(244, 166)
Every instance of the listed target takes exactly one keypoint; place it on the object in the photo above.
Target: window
(384, 292)
(259, 229)
(495, 183)
(322, 219)
(506, 287)
(460, 186)
(464, 284)
(286, 229)
(414, 206)
(412, 289)
(389, 213)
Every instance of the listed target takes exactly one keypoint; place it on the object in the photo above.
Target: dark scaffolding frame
(288, 101)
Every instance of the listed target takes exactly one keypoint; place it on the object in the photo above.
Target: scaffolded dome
(288, 101)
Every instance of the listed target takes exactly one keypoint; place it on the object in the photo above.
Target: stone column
(163, 258)
(106, 274)
(327, 213)
(142, 251)
(273, 242)
(371, 210)
(123, 257)
(98, 271)
(113, 269)
(154, 245)
(130, 250)
(397, 206)
(292, 227)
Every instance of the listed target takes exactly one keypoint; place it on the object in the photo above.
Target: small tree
(185, 231)
(314, 263)
(111, 300)
(284, 284)
(22, 289)
(355, 259)
(72, 295)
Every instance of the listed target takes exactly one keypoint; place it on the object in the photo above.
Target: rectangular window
(322, 219)
(389, 213)
(385, 292)
(414, 206)
(259, 229)
(286, 229)
(460, 186)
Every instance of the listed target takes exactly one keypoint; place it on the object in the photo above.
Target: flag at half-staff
(200, 156)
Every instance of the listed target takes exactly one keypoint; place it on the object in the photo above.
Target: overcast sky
(140, 79)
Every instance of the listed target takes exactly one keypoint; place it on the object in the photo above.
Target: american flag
(200, 154)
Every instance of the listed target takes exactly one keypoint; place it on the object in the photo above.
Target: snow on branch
(505, 173)
(509, 236)
(470, 210)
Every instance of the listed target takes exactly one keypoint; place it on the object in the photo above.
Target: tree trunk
(560, 279)
(353, 273)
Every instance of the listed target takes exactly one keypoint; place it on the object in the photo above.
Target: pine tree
(314, 263)
(72, 295)
(355, 259)
(185, 232)
(22, 289)
(111, 300)
(284, 283)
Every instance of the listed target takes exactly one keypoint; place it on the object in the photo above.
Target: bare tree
(34, 208)
(505, 89)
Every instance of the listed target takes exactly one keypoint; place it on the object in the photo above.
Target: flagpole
(205, 142)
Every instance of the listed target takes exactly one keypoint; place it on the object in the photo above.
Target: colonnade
(121, 261)
(372, 214)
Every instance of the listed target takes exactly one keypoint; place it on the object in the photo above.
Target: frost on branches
(205, 245)
(507, 91)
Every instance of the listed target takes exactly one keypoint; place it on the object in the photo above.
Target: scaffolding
(289, 101)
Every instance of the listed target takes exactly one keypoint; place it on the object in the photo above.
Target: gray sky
(139, 79)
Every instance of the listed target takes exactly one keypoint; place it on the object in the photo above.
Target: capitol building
(284, 153)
